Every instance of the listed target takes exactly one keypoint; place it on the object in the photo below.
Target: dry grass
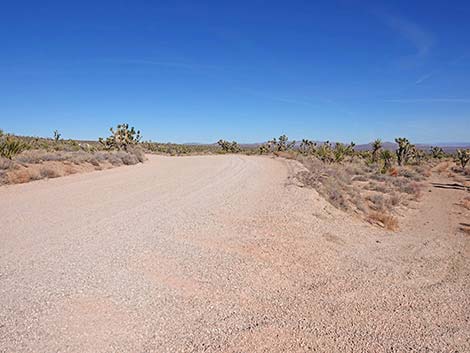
(465, 203)
(356, 187)
(442, 167)
(383, 220)
(42, 164)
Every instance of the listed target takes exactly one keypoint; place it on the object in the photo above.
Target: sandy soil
(225, 254)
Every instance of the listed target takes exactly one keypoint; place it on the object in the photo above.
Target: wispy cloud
(421, 39)
(425, 77)
(429, 100)
(434, 72)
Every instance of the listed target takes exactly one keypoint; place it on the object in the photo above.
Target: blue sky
(197, 71)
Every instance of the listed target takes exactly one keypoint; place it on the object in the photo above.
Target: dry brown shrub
(422, 170)
(383, 220)
(69, 169)
(410, 173)
(5, 163)
(466, 230)
(393, 172)
(395, 199)
(23, 175)
(50, 171)
(378, 187)
(377, 202)
(442, 167)
(466, 203)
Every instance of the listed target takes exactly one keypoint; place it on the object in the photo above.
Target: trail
(224, 254)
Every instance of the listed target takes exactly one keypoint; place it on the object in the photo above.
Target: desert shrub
(383, 219)
(377, 202)
(360, 178)
(393, 172)
(356, 169)
(138, 153)
(394, 199)
(466, 203)
(128, 159)
(5, 163)
(409, 174)
(378, 177)
(358, 201)
(49, 172)
(94, 162)
(336, 198)
(422, 171)
(357, 185)
(23, 175)
(442, 167)
(114, 159)
(412, 188)
(382, 188)
(10, 146)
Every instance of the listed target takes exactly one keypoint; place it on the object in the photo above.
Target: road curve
(218, 254)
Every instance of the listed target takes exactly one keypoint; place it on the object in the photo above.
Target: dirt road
(223, 254)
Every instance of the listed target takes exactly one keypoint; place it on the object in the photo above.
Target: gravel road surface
(223, 254)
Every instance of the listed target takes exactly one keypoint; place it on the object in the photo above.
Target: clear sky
(197, 71)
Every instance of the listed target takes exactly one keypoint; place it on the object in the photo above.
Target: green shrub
(10, 146)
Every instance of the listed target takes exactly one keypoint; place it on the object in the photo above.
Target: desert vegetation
(376, 184)
(24, 158)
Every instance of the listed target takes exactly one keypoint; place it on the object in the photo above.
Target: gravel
(222, 254)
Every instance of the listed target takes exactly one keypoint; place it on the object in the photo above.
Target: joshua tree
(417, 154)
(464, 157)
(386, 157)
(307, 147)
(282, 144)
(376, 147)
(437, 152)
(350, 149)
(57, 136)
(325, 152)
(229, 147)
(339, 152)
(264, 148)
(122, 138)
(403, 150)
